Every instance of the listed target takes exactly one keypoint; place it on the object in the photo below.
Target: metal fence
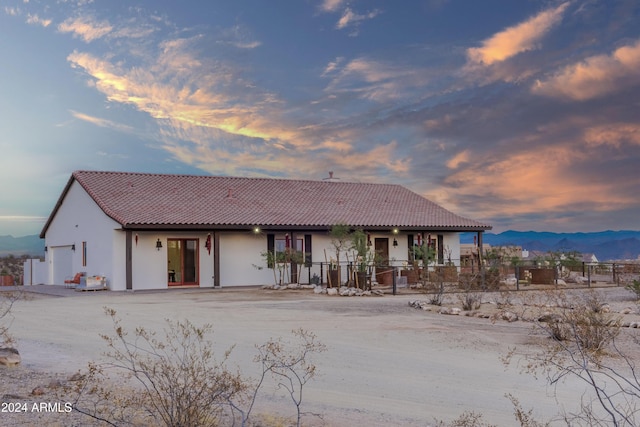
(489, 277)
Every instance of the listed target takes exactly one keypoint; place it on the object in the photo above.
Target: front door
(182, 262)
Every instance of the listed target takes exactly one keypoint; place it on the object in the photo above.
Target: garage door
(61, 258)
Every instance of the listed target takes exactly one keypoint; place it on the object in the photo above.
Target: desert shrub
(470, 296)
(470, 300)
(434, 291)
(524, 418)
(504, 299)
(585, 346)
(584, 321)
(7, 299)
(290, 364)
(634, 287)
(466, 419)
(175, 380)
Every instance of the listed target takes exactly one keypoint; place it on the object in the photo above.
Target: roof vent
(230, 194)
(331, 177)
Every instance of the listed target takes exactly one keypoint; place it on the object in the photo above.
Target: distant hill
(606, 245)
(18, 246)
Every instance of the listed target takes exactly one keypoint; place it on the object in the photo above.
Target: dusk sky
(524, 114)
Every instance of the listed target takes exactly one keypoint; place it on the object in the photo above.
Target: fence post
(589, 275)
(321, 273)
(517, 277)
(394, 280)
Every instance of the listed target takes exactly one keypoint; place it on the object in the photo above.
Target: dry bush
(435, 292)
(584, 345)
(7, 299)
(290, 364)
(470, 300)
(634, 287)
(524, 418)
(172, 381)
(470, 296)
(176, 380)
(466, 419)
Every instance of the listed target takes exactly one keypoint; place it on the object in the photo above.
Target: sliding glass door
(182, 262)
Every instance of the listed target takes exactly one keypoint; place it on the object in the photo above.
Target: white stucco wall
(239, 256)
(79, 220)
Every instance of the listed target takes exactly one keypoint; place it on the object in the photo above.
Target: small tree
(340, 239)
(340, 234)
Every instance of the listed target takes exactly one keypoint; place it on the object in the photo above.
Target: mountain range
(606, 245)
(27, 245)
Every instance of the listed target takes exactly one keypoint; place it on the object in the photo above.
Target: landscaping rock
(509, 316)
(9, 356)
(332, 291)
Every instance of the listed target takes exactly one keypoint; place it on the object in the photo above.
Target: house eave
(299, 227)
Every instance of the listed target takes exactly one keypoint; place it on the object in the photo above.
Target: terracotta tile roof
(146, 200)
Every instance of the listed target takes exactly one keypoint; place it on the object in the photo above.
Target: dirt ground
(387, 363)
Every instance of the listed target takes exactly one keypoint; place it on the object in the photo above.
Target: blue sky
(523, 114)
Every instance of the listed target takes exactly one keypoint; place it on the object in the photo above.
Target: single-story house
(157, 231)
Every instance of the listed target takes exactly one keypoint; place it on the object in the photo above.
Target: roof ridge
(79, 172)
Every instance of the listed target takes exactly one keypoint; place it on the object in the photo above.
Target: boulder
(332, 291)
(9, 356)
(509, 316)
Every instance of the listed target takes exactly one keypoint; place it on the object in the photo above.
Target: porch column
(128, 260)
(480, 258)
(216, 259)
(294, 266)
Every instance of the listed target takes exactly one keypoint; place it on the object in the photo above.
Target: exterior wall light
(73, 247)
(256, 230)
(395, 242)
(158, 245)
